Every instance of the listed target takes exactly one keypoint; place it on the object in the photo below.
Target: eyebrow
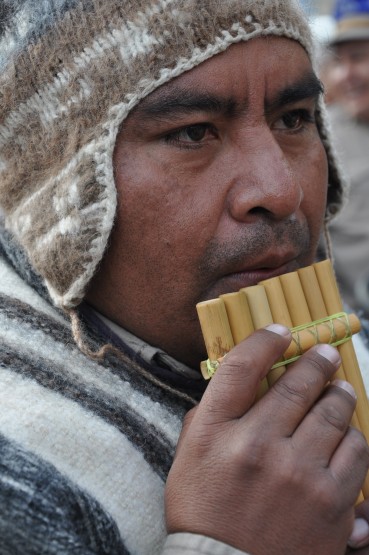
(307, 87)
(182, 102)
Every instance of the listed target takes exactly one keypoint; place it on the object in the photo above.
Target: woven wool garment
(85, 446)
(71, 71)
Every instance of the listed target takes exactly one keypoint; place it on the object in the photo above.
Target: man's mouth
(264, 252)
(251, 275)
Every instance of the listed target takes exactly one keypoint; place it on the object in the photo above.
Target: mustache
(221, 259)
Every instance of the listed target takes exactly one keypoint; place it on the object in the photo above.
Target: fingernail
(346, 386)
(279, 329)
(360, 533)
(329, 352)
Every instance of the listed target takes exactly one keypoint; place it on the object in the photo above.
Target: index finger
(232, 390)
(299, 388)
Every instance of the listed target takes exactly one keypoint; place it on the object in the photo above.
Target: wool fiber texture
(85, 446)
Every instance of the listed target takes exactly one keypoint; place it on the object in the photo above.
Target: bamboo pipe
(280, 314)
(215, 328)
(318, 310)
(261, 317)
(312, 335)
(239, 315)
(332, 299)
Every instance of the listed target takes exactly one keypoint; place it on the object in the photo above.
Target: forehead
(261, 66)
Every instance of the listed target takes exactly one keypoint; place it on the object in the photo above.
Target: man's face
(222, 182)
(350, 74)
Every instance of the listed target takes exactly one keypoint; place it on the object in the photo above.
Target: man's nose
(263, 181)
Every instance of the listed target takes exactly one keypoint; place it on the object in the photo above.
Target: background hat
(352, 21)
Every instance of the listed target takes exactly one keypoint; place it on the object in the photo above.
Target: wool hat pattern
(70, 73)
(352, 21)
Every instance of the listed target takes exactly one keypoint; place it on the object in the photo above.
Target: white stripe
(91, 453)
(13, 219)
(53, 109)
(8, 481)
(64, 200)
(140, 43)
(45, 101)
(70, 225)
(78, 368)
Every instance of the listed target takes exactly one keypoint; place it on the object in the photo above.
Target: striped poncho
(85, 447)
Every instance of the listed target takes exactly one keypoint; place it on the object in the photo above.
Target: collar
(151, 354)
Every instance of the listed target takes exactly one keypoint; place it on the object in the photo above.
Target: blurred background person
(345, 74)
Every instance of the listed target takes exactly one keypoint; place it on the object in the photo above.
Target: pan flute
(308, 302)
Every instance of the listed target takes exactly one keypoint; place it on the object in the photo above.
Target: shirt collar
(151, 354)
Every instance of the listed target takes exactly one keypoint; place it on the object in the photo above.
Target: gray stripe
(154, 446)
(129, 370)
(12, 253)
(42, 512)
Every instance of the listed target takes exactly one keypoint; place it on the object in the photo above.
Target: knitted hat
(352, 21)
(71, 71)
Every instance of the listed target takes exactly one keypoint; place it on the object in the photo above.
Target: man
(153, 155)
(349, 72)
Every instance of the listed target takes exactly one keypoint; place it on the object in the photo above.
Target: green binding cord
(212, 365)
(333, 341)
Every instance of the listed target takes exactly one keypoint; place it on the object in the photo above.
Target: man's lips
(236, 280)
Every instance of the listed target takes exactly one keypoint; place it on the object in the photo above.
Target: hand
(278, 477)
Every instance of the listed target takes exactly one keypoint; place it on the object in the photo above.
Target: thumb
(360, 534)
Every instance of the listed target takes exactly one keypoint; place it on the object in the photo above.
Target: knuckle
(321, 366)
(249, 455)
(292, 473)
(232, 367)
(240, 371)
(359, 444)
(331, 415)
(326, 495)
(234, 362)
(294, 391)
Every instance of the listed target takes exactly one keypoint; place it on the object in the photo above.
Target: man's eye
(194, 132)
(295, 120)
(191, 135)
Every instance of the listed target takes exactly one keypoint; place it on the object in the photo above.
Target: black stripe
(44, 512)
(7, 11)
(11, 251)
(17, 310)
(98, 331)
(130, 370)
(154, 446)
